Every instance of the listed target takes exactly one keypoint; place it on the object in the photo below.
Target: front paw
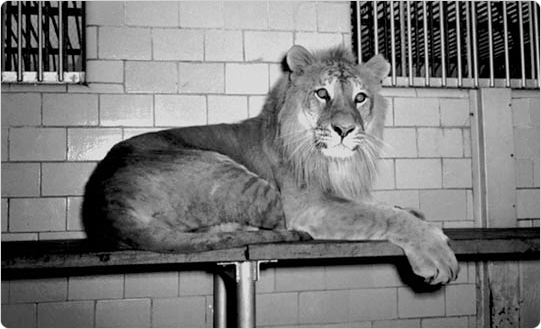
(431, 257)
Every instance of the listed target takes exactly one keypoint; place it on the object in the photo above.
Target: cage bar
(521, 37)
(442, 46)
(410, 55)
(506, 44)
(402, 37)
(60, 41)
(40, 41)
(474, 44)
(530, 38)
(536, 31)
(468, 42)
(376, 29)
(458, 43)
(359, 34)
(490, 44)
(19, 41)
(425, 39)
(393, 45)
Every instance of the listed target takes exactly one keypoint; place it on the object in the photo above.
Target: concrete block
(404, 198)
(443, 205)
(331, 16)
(75, 222)
(91, 42)
(188, 312)
(35, 214)
(265, 46)
(414, 305)
(104, 71)
(318, 41)
(20, 179)
(19, 237)
(246, 79)
(418, 173)
(4, 223)
(457, 173)
(372, 304)
(66, 315)
(386, 175)
(125, 313)
(160, 284)
(5, 144)
(19, 315)
(416, 111)
(281, 15)
(221, 45)
(455, 112)
(41, 144)
(276, 72)
(305, 16)
(436, 142)
(526, 142)
(105, 13)
(277, 309)
(91, 144)
(534, 110)
(255, 105)
(527, 203)
(245, 15)
(397, 323)
(177, 45)
(460, 299)
(323, 306)
(227, 109)
(131, 132)
(205, 14)
(151, 77)
(201, 77)
(109, 286)
(180, 110)
(300, 278)
(124, 43)
(70, 109)
(195, 283)
(361, 276)
(21, 109)
(448, 322)
(126, 110)
(400, 142)
(266, 280)
(466, 144)
(520, 108)
(65, 179)
(38, 290)
(152, 13)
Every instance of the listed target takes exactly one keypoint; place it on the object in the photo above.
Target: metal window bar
(453, 44)
(43, 42)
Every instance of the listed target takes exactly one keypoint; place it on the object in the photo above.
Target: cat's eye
(323, 94)
(360, 98)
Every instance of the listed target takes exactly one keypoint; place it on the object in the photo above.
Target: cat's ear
(297, 58)
(379, 66)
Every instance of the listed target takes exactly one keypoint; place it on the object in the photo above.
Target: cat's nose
(343, 129)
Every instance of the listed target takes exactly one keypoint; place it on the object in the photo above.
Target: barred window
(451, 43)
(43, 42)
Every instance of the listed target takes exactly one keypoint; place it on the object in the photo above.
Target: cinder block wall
(165, 64)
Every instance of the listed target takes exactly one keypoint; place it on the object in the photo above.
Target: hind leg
(156, 199)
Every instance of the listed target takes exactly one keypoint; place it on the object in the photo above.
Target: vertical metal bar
(19, 41)
(536, 31)
(490, 44)
(246, 294)
(532, 53)
(425, 38)
(359, 33)
(402, 39)
(521, 37)
(60, 41)
(410, 63)
(4, 39)
(474, 44)
(468, 42)
(393, 44)
(376, 32)
(458, 44)
(220, 302)
(442, 41)
(506, 44)
(40, 41)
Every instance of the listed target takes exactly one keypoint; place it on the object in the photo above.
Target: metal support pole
(220, 302)
(246, 276)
